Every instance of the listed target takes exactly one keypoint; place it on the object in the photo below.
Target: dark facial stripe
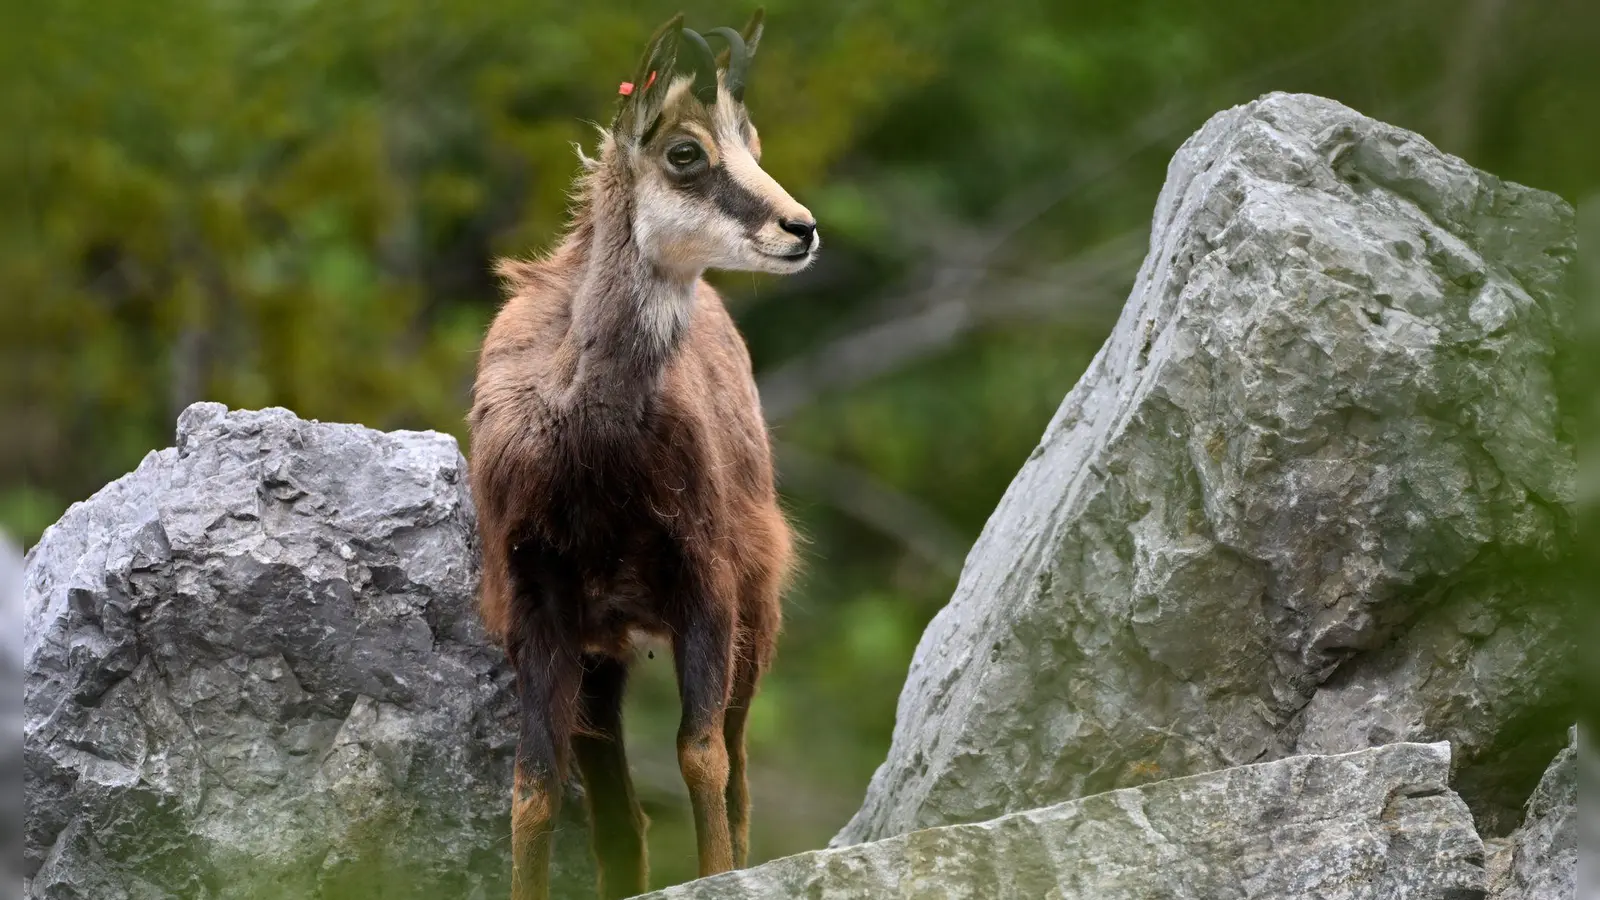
(733, 198)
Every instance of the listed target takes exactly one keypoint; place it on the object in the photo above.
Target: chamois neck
(628, 314)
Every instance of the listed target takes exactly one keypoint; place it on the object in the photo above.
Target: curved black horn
(738, 60)
(705, 67)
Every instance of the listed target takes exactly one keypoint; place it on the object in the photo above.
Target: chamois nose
(803, 229)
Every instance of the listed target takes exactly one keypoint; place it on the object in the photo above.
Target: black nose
(805, 231)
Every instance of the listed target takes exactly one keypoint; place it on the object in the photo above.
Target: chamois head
(691, 159)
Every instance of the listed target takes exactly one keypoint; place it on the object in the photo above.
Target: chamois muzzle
(803, 229)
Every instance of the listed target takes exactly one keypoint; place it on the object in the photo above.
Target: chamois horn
(705, 67)
(738, 60)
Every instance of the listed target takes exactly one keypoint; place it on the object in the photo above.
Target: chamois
(621, 467)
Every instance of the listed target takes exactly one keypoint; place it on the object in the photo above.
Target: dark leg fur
(616, 822)
(703, 649)
(549, 673)
(746, 674)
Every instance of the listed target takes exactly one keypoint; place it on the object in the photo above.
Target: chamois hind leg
(737, 796)
(548, 672)
(758, 634)
(616, 822)
(703, 652)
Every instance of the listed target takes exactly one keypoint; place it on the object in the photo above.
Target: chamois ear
(642, 97)
(752, 37)
(749, 37)
(735, 60)
(752, 31)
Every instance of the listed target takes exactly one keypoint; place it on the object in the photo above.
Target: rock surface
(1378, 823)
(254, 670)
(1539, 861)
(1299, 502)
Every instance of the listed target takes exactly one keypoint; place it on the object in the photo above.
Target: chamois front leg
(703, 652)
(746, 675)
(548, 674)
(615, 819)
(546, 689)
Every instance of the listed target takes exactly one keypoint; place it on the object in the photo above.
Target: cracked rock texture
(1379, 824)
(254, 670)
(1539, 861)
(1305, 498)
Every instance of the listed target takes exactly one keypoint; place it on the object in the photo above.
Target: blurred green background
(297, 203)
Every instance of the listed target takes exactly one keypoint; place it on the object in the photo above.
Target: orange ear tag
(626, 88)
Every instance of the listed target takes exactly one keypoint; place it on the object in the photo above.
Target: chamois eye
(685, 154)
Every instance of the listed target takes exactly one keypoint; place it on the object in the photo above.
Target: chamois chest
(629, 513)
(622, 482)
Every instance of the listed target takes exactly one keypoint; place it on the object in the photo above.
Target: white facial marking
(665, 315)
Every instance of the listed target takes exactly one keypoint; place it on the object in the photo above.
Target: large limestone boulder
(1301, 501)
(1379, 824)
(254, 670)
(1539, 861)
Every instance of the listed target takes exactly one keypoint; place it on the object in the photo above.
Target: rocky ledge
(1379, 823)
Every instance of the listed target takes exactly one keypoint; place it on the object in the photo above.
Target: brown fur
(624, 485)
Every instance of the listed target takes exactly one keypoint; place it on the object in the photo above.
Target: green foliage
(298, 204)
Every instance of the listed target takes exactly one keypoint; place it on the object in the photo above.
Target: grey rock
(1305, 498)
(1379, 824)
(253, 669)
(1539, 861)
